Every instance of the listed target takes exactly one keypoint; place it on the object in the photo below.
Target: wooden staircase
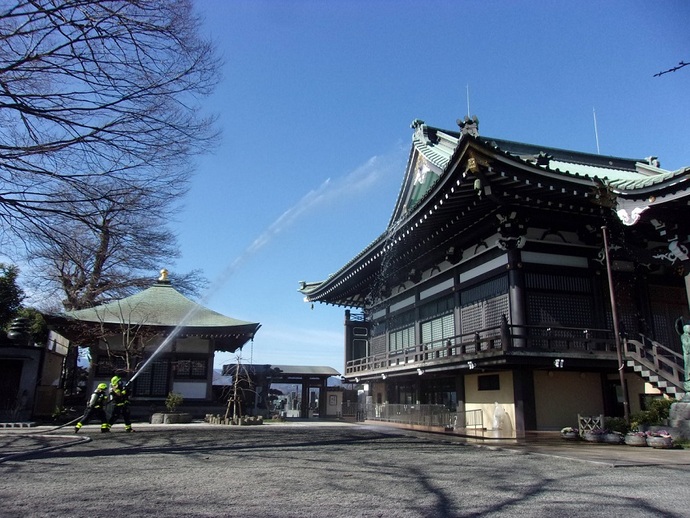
(657, 364)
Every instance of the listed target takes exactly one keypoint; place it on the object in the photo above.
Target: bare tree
(132, 339)
(242, 384)
(108, 255)
(98, 100)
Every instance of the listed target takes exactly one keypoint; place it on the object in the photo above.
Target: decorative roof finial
(164, 276)
(469, 126)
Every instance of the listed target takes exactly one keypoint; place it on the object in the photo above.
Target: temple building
(159, 338)
(518, 286)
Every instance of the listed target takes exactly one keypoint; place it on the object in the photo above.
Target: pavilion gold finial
(164, 275)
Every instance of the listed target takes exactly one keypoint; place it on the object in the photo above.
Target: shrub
(173, 401)
(655, 415)
(616, 424)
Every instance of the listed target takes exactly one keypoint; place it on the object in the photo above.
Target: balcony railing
(489, 341)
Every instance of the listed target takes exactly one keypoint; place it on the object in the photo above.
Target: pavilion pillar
(304, 406)
(323, 395)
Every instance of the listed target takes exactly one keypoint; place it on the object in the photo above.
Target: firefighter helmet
(102, 386)
(115, 380)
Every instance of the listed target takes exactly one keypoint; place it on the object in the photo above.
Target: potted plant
(570, 434)
(636, 438)
(613, 437)
(595, 435)
(660, 439)
(172, 402)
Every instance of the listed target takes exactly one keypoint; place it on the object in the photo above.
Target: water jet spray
(365, 175)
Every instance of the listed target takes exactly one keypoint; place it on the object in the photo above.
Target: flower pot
(570, 436)
(660, 442)
(594, 437)
(635, 440)
(613, 438)
(171, 418)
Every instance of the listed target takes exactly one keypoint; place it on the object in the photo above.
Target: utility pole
(616, 332)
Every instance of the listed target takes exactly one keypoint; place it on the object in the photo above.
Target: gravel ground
(323, 471)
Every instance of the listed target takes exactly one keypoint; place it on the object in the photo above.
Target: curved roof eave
(647, 185)
(619, 173)
(161, 306)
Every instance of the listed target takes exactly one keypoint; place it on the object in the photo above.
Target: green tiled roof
(438, 147)
(160, 305)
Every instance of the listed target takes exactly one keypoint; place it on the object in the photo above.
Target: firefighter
(96, 407)
(119, 396)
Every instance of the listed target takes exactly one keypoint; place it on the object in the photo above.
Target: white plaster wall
(191, 389)
(485, 400)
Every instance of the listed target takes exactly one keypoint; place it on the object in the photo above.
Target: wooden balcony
(494, 342)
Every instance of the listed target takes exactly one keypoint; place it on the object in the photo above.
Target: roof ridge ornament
(469, 126)
(164, 276)
(543, 159)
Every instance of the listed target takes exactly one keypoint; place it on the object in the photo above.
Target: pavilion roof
(164, 308)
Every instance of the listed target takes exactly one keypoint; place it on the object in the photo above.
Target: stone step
(660, 382)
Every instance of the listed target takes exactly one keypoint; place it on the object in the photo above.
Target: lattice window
(153, 382)
(556, 309)
(191, 369)
(472, 317)
(549, 282)
(401, 339)
(628, 313)
(487, 313)
(667, 304)
(378, 345)
(435, 332)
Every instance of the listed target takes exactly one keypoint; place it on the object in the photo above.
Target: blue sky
(316, 103)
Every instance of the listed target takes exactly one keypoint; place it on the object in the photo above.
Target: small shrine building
(172, 339)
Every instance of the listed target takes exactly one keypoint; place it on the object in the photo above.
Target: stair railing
(658, 358)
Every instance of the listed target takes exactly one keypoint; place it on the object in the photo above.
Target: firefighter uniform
(119, 396)
(96, 408)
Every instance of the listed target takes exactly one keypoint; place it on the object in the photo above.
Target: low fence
(438, 416)
(423, 415)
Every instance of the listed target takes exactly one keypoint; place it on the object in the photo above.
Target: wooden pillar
(323, 395)
(523, 390)
(517, 296)
(460, 394)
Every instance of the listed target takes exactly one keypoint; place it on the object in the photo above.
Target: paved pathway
(329, 469)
